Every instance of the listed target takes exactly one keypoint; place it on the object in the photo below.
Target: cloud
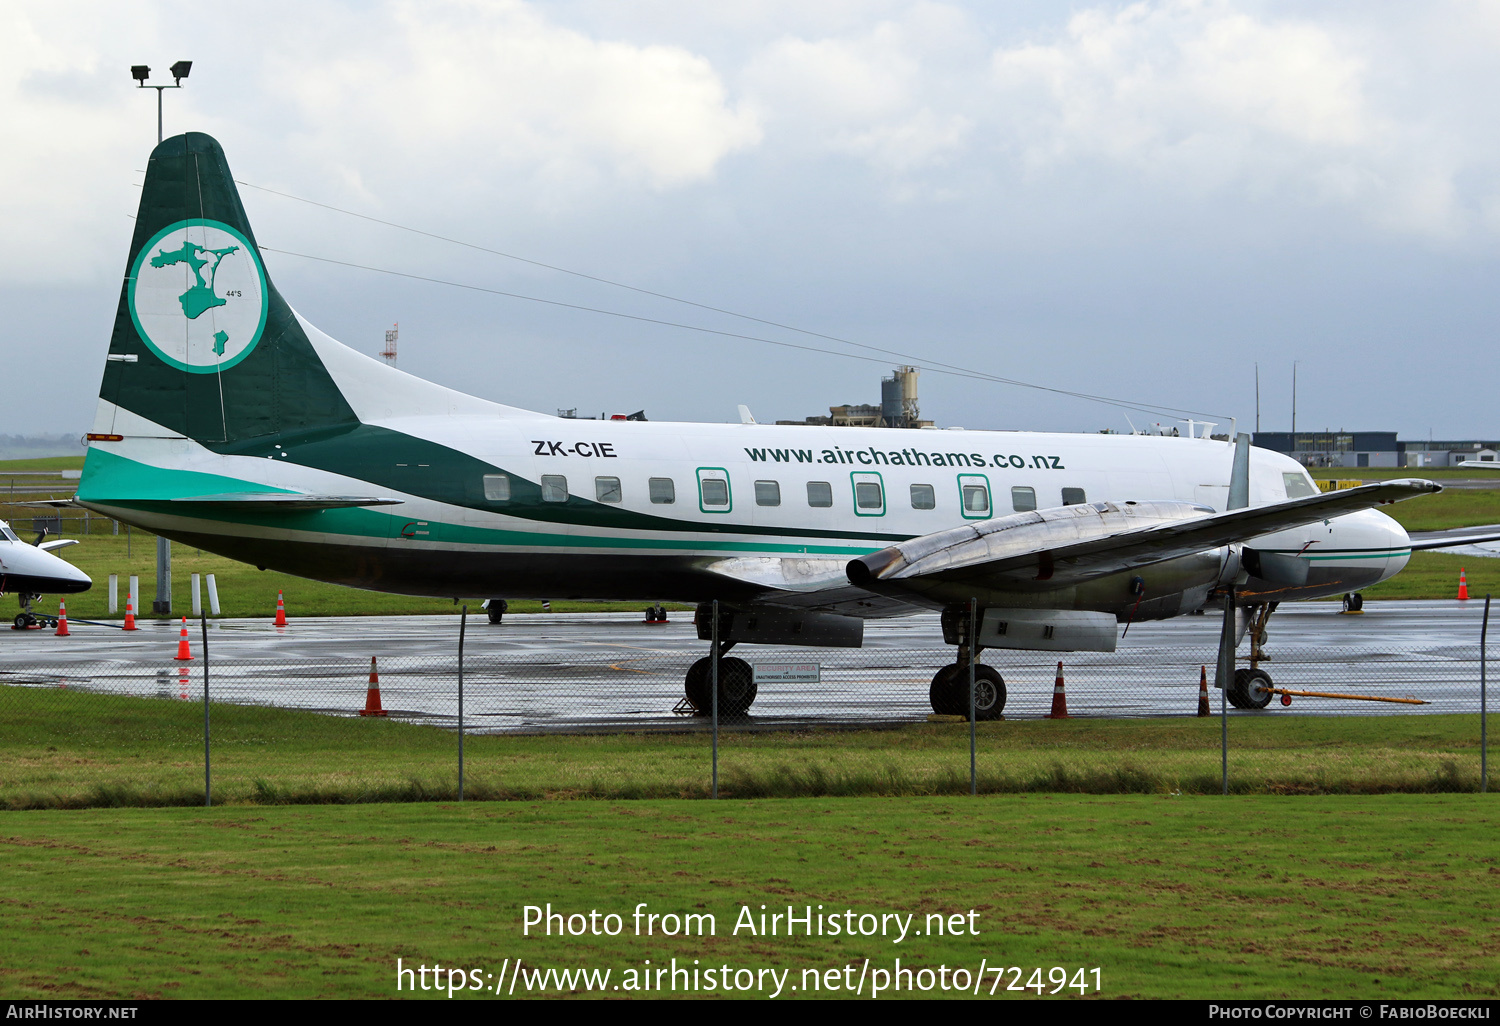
(496, 89)
(1209, 97)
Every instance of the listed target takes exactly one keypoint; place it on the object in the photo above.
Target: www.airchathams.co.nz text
(867, 457)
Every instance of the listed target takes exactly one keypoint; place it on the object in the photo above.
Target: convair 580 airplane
(228, 422)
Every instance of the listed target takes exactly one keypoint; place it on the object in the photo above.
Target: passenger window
(869, 494)
(713, 490)
(819, 493)
(497, 487)
(923, 497)
(1022, 499)
(554, 488)
(974, 496)
(663, 491)
(767, 493)
(1073, 497)
(607, 489)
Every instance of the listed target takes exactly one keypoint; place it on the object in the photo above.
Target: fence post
(973, 658)
(713, 679)
(207, 772)
(213, 595)
(1484, 739)
(463, 623)
(1225, 675)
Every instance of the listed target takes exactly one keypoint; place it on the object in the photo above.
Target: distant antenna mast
(389, 352)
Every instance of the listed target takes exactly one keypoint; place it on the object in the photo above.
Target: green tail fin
(203, 344)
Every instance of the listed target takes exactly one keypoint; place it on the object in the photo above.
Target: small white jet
(32, 571)
(229, 422)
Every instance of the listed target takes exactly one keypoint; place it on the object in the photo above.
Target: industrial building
(898, 406)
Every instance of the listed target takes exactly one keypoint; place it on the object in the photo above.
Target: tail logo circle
(198, 296)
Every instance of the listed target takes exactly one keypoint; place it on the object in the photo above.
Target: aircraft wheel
(737, 688)
(496, 610)
(1250, 689)
(949, 693)
(22, 621)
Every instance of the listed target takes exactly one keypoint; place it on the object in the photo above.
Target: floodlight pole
(140, 72)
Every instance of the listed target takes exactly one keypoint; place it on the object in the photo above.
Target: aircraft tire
(949, 693)
(1247, 690)
(737, 689)
(496, 610)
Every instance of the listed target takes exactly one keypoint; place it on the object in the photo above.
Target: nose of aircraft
(1394, 539)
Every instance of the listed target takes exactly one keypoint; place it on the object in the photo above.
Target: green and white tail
(211, 374)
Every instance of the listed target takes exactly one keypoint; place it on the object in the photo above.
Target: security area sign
(786, 673)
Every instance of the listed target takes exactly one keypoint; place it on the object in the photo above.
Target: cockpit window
(6, 532)
(1298, 484)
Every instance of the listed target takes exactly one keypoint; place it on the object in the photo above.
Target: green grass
(1456, 507)
(1434, 575)
(1170, 897)
(41, 463)
(63, 749)
(1390, 473)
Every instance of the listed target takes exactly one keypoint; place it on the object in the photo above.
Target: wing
(1457, 536)
(1077, 543)
(1056, 546)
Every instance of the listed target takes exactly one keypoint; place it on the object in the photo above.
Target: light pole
(141, 72)
(163, 600)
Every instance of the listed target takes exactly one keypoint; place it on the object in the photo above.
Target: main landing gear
(495, 609)
(26, 619)
(737, 688)
(1250, 688)
(949, 692)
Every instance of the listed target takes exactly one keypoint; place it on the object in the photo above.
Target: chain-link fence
(618, 705)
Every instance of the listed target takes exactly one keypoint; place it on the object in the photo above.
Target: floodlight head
(140, 73)
(180, 71)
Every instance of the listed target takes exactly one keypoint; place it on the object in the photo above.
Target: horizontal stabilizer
(57, 543)
(278, 502)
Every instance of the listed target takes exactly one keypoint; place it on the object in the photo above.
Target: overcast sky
(1135, 200)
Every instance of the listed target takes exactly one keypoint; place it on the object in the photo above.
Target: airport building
(1374, 449)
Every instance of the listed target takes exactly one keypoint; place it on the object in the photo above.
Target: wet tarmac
(610, 671)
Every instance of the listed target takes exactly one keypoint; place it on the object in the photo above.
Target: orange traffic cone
(372, 696)
(280, 612)
(182, 643)
(62, 619)
(130, 617)
(1059, 699)
(1463, 586)
(1203, 709)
